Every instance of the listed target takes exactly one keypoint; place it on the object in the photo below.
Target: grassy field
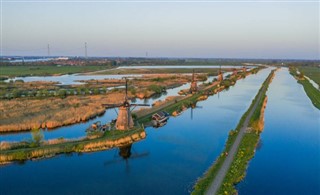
(213, 71)
(311, 72)
(310, 90)
(13, 71)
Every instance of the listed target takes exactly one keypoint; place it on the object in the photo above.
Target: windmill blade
(112, 105)
(141, 155)
(140, 104)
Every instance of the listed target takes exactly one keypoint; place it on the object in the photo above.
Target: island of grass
(311, 91)
(244, 153)
(35, 149)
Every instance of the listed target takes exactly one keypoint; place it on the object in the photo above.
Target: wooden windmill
(220, 75)
(124, 119)
(193, 86)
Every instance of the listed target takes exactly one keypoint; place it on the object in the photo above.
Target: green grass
(67, 147)
(28, 70)
(311, 91)
(239, 165)
(311, 72)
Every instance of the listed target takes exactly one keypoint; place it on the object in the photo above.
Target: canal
(287, 160)
(168, 161)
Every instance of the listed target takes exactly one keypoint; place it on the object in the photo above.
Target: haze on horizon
(287, 30)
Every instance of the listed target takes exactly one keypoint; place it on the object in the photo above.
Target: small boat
(160, 118)
(98, 127)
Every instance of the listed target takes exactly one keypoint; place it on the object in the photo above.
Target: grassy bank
(312, 72)
(236, 172)
(29, 70)
(108, 140)
(311, 91)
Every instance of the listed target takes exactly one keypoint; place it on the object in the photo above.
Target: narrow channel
(287, 160)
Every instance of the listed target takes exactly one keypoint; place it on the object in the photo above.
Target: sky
(206, 29)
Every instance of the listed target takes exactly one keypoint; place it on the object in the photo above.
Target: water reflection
(125, 154)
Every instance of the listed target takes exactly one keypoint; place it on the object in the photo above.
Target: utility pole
(146, 54)
(85, 50)
(48, 50)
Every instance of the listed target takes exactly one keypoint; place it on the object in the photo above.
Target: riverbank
(107, 141)
(220, 175)
(311, 91)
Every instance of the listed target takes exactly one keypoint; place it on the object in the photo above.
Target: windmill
(220, 75)
(124, 119)
(235, 71)
(193, 86)
(244, 69)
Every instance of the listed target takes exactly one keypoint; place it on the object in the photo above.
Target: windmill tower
(244, 69)
(220, 75)
(235, 71)
(193, 86)
(124, 119)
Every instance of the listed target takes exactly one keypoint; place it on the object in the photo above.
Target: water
(288, 162)
(180, 66)
(73, 79)
(168, 161)
(70, 79)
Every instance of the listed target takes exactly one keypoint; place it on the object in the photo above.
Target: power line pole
(85, 50)
(48, 50)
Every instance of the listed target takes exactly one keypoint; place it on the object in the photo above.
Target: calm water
(73, 79)
(168, 161)
(288, 161)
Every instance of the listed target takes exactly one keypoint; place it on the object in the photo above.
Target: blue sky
(164, 29)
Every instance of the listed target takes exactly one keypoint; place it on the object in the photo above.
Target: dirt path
(217, 182)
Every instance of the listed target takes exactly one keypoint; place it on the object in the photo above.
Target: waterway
(168, 161)
(287, 160)
(73, 79)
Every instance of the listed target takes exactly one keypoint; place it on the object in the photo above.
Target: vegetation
(244, 154)
(312, 72)
(110, 139)
(31, 70)
(311, 91)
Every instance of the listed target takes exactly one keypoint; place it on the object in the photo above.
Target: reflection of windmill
(193, 86)
(124, 119)
(124, 154)
(193, 106)
(220, 75)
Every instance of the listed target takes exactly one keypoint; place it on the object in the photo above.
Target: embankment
(121, 138)
(311, 91)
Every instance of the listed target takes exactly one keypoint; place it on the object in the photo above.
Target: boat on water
(97, 126)
(160, 118)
